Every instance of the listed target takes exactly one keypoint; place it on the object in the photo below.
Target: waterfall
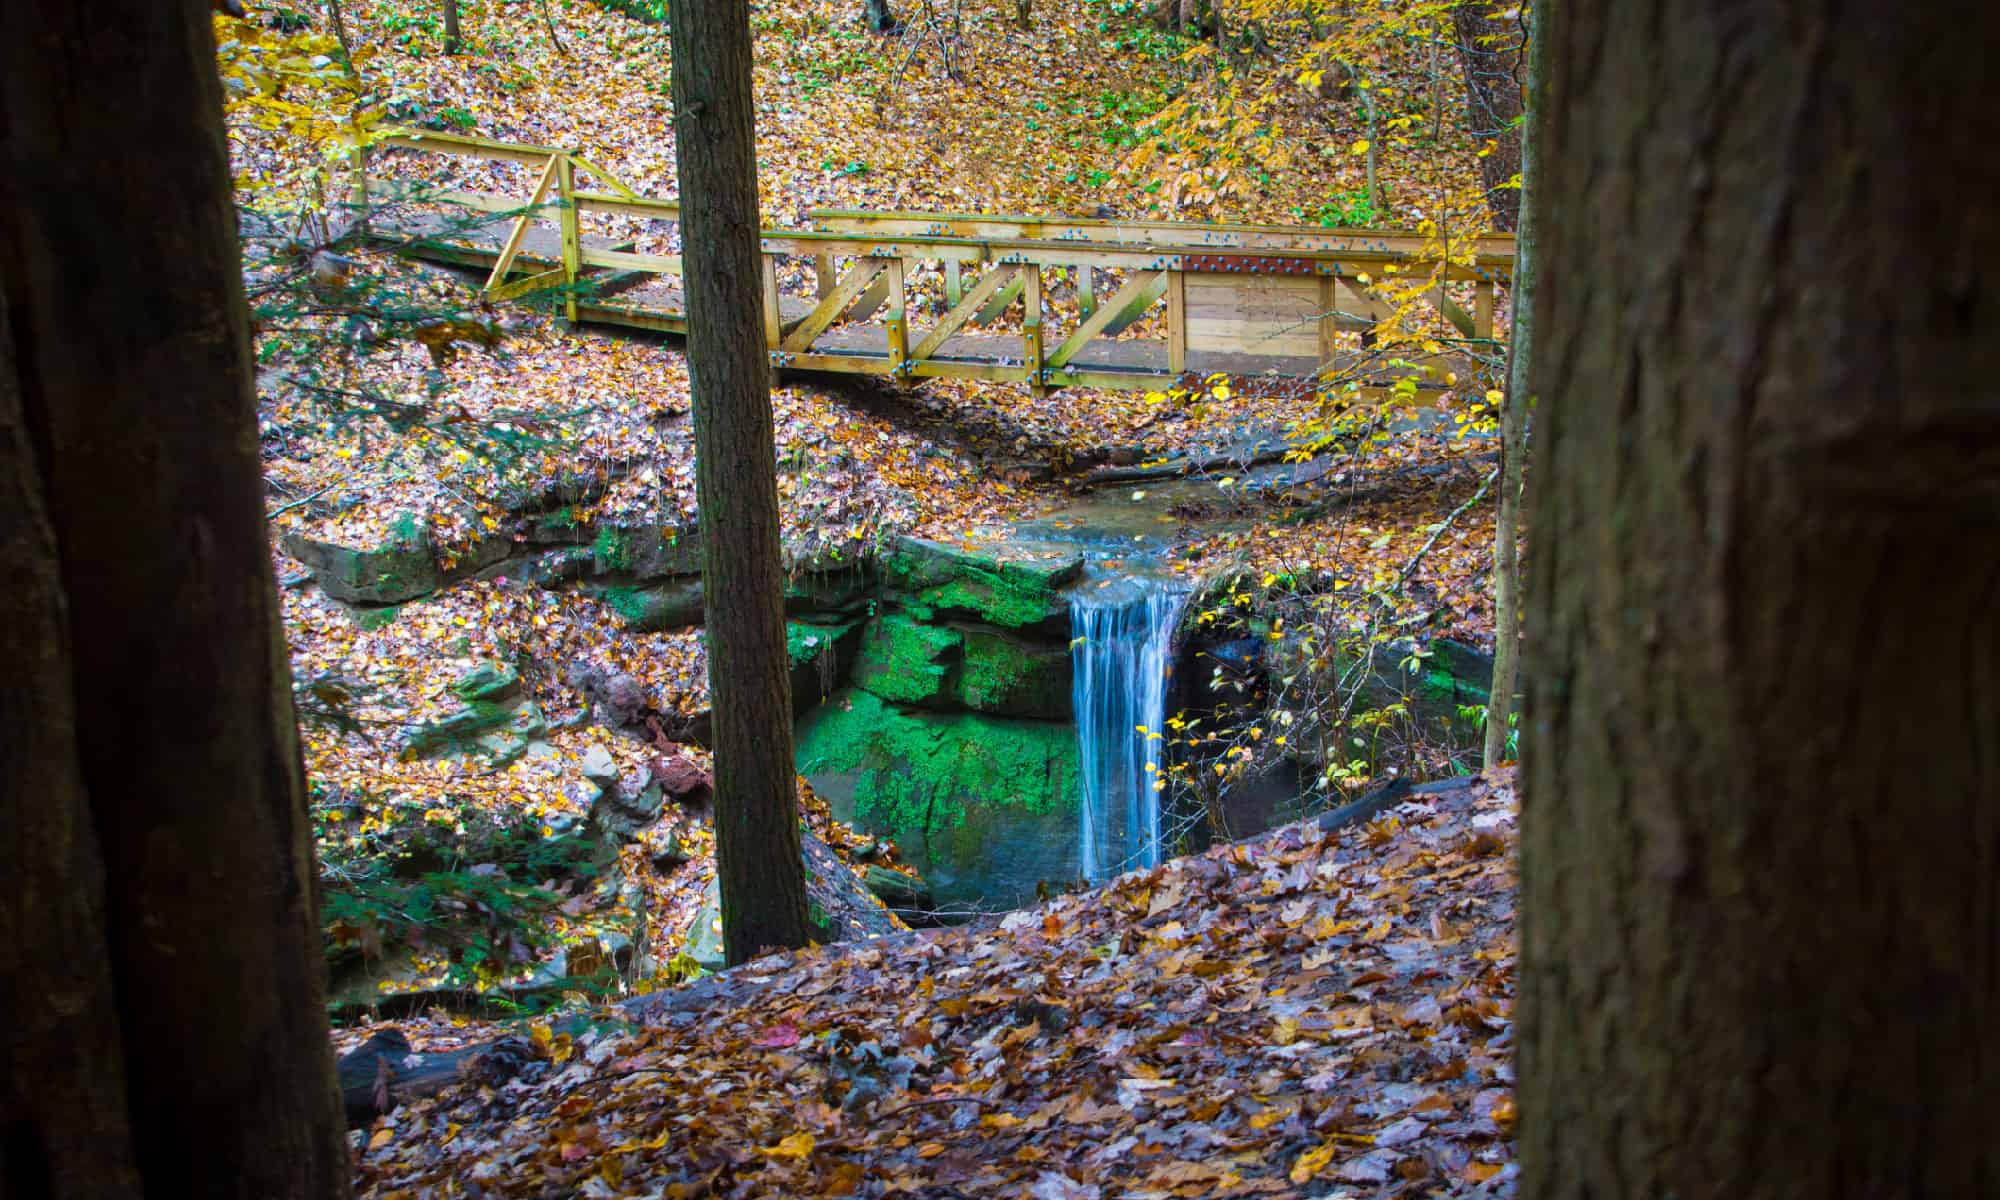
(1123, 633)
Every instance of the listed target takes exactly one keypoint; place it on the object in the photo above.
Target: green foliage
(613, 548)
(1346, 210)
(414, 880)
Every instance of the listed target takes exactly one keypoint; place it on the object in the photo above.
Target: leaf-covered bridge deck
(969, 296)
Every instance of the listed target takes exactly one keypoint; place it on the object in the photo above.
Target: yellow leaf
(1360, 146)
(382, 1138)
(796, 1146)
(1312, 1162)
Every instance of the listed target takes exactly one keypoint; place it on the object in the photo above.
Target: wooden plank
(846, 364)
(1176, 322)
(513, 243)
(568, 218)
(1138, 295)
(1004, 298)
(1086, 290)
(954, 281)
(531, 283)
(873, 299)
(643, 206)
(1459, 318)
(962, 312)
(823, 274)
(1482, 310)
(661, 264)
(862, 274)
(461, 144)
(1329, 319)
(604, 177)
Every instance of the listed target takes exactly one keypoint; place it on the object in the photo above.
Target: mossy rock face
(1011, 677)
(939, 581)
(403, 567)
(671, 605)
(907, 661)
(647, 551)
(985, 807)
(820, 657)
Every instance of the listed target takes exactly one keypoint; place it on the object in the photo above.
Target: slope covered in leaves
(1309, 1013)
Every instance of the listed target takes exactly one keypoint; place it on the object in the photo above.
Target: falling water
(1123, 632)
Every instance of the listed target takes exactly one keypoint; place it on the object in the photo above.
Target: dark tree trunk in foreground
(1491, 37)
(158, 935)
(756, 794)
(1761, 855)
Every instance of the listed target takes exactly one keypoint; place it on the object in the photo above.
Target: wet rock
(402, 567)
(489, 681)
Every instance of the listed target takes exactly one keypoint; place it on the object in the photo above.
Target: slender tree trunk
(1761, 838)
(1491, 37)
(879, 17)
(161, 723)
(451, 38)
(334, 11)
(1514, 428)
(757, 850)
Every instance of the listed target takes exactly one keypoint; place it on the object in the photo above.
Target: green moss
(614, 550)
(1013, 678)
(375, 618)
(628, 603)
(805, 642)
(905, 660)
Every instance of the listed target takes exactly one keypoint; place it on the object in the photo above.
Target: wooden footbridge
(1045, 302)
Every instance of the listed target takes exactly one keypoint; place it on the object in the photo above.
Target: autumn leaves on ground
(1301, 1013)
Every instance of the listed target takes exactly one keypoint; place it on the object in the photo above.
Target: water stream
(1123, 629)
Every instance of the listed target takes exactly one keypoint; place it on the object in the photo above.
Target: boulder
(600, 768)
(904, 660)
(500, 732)
(1018, 592)
(681, 780)
(403, 567)
(488, 681)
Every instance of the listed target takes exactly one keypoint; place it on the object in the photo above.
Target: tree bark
(451, 38)
(1761, 833)
(756, 793)
(1514, 428)
(879, 17)
(163, 718)
(1491, 38)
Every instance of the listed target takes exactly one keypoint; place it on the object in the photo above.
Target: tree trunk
(451, 38)
(1491, 38)
(1761, 837)
(1514, 430)
(156, 681)
(879, 17)
(756, 792)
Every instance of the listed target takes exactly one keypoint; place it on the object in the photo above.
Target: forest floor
(1305, 1013)
(963, 111)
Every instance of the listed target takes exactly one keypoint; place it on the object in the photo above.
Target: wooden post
(954, 282)
(1482, 310)
(572, 242)
(1086, 289)
(1031, 327)
(1177, 330)
(774, 325)
(898, 320)
(823, 274)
